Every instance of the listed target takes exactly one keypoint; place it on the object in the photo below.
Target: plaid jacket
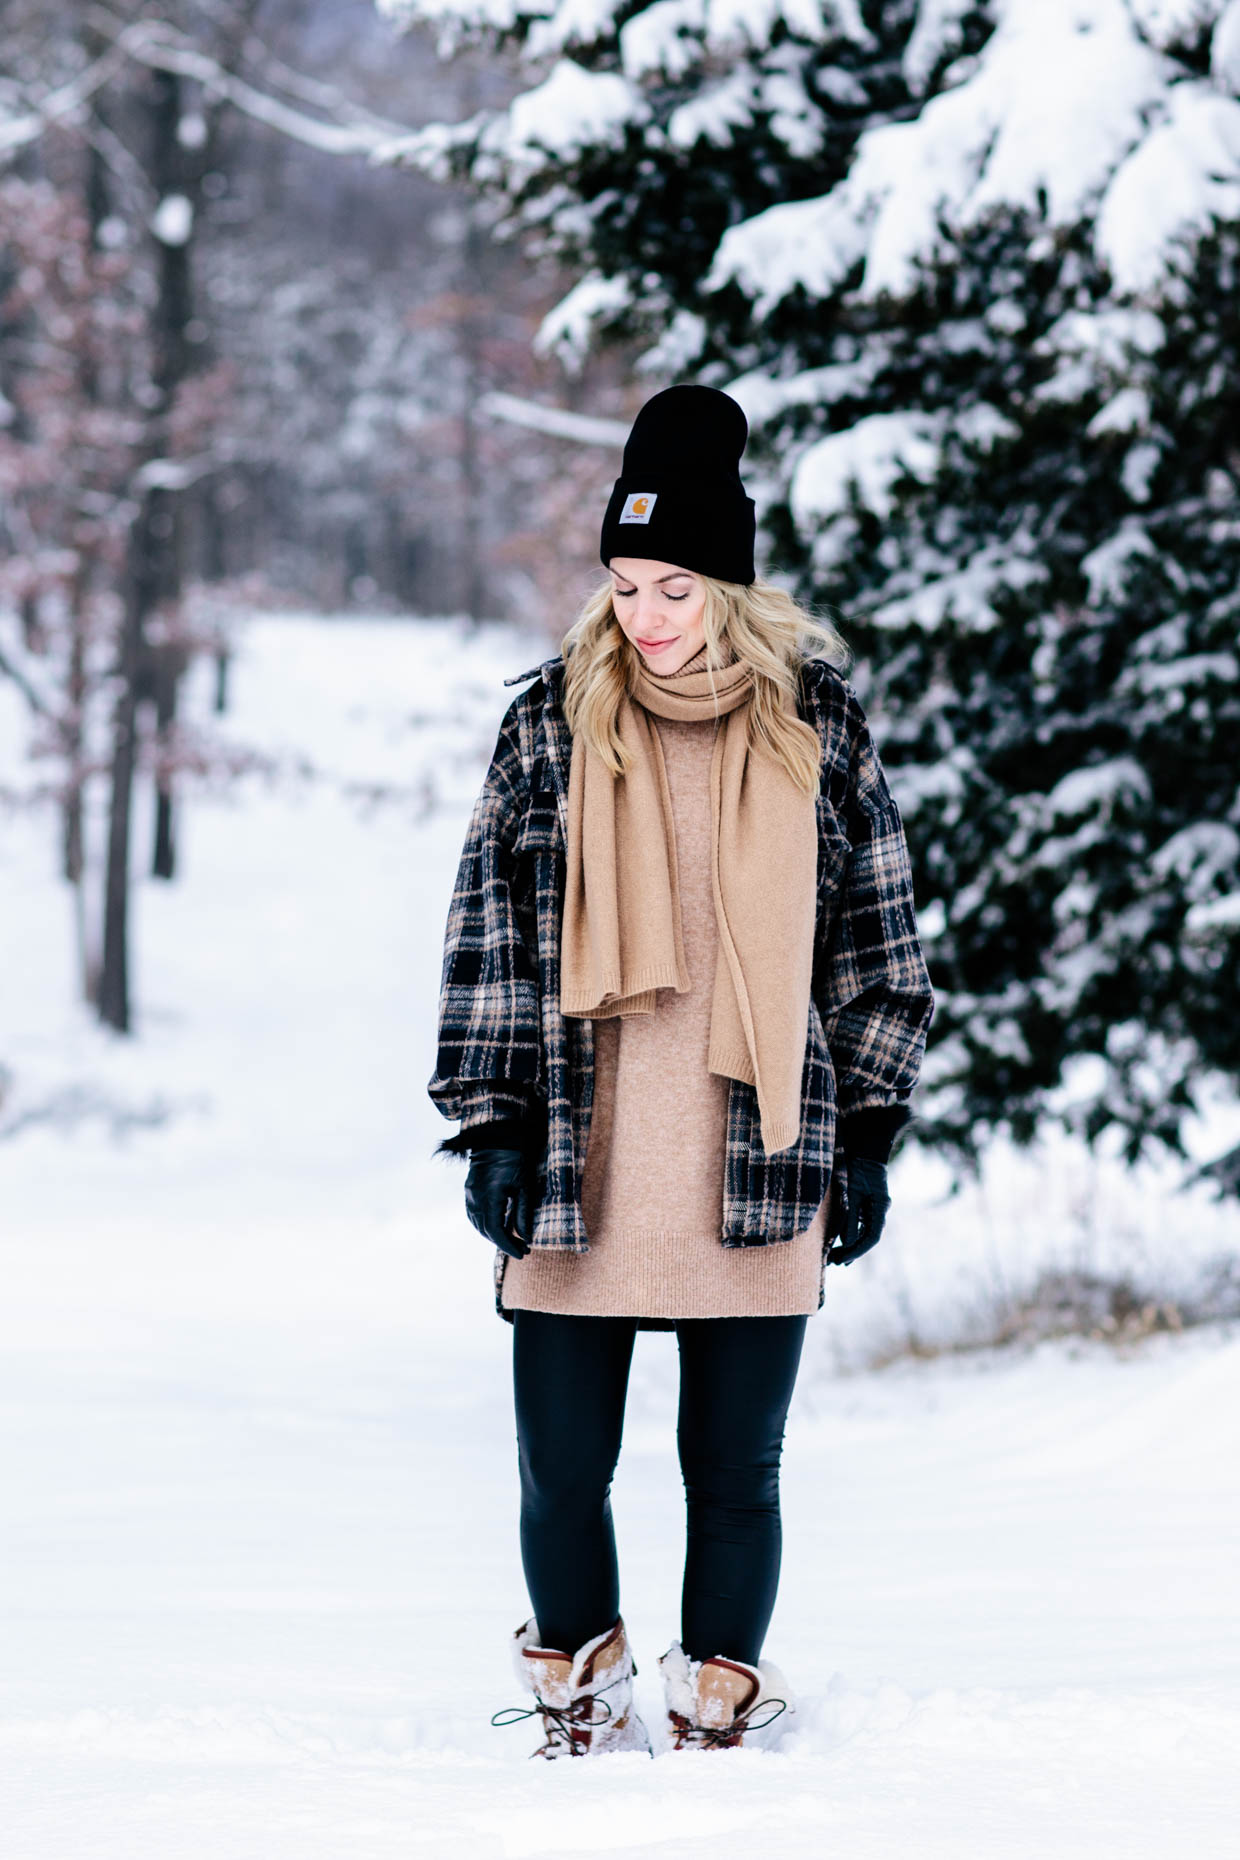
(505, 1050)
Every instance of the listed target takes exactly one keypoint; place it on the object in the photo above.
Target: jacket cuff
(871, 1130)
(503, 1133)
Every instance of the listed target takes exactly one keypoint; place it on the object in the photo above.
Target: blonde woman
(683, 1010)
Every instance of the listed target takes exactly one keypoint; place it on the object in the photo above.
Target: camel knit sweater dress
(652, 1190)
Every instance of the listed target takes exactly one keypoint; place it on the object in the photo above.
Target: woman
(683, 1009)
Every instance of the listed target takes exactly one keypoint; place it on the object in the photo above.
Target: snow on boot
(719, 1704)
(585, 1700)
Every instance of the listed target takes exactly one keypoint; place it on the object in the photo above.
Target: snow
(1084, 789)
(1107, 567)
(936, 31)
(173, 220)
(715, 112)
(1066, 106)
(1169, 21)
(1185, 175)
(572, 22)
(966, 595)
(810, 243)
(584, 428)
(984, 426)
(674, 354)
(1126, 412)
(1175, 674)
(1217, 914)
(496, 15)
(662, 38)
(573, 109)
(259, 1551)
(764, 396)
(192, 130)
(1198, 855)
(1058, 99)
(872, 455)
(566, 330)
(1138, 471)
(1225, 47)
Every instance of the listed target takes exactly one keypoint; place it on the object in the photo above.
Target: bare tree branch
(558, 422)
(161, 48)
(17, 132)
(28, 691)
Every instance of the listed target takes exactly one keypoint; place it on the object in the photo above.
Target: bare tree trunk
(474, 587)
(173, 170)
(152, 560)
(167, 666)
(214, 568)
(139, 599)
(73, 826)
(72, 850)
(32, 632)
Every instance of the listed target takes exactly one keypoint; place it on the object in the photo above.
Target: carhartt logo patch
(638, 507)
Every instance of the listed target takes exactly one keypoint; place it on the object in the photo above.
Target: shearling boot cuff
(719, 1704)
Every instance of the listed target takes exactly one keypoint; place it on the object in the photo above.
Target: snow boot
(719, 1704)
(585, 1699)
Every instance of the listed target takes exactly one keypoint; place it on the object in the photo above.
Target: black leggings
(736, 1377)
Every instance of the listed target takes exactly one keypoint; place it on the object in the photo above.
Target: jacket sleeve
(488, 1061)
(871, 983)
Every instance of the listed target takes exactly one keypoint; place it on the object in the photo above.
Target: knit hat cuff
(707, 527)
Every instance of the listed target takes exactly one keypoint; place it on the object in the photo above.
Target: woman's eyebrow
(680, 574)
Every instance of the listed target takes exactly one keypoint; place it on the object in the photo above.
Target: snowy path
(258, 1560)
(259, 1587)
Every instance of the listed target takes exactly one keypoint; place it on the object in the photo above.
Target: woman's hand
(858, 1213)
(497, 1198)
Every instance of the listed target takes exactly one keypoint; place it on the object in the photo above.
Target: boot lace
(563, 1724)
(724, 1736)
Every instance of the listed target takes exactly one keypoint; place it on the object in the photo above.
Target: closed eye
(624, 594)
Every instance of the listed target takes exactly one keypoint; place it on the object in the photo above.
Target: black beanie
(679, 496)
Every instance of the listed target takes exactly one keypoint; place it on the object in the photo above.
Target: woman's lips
(653, 645)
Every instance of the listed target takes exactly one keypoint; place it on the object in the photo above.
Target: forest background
(323, 304)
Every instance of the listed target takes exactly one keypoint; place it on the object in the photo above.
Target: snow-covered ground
(258, 1562)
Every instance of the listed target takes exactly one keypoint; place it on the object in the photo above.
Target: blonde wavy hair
(766, 629)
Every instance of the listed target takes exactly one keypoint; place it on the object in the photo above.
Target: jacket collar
(535, 671)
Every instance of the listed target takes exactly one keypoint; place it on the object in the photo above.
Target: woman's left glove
(497, 1199)
(858, 1215)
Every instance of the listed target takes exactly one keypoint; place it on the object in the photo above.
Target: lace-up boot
(719, 1704)
(585, 1699)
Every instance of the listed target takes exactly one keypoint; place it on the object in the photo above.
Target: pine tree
(985, 333)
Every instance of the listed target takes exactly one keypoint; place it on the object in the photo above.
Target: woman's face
(660, 608)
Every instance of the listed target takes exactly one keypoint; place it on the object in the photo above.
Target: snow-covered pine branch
(974, 272)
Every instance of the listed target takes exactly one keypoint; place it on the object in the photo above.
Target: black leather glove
(497, 1198)
(858, 1213)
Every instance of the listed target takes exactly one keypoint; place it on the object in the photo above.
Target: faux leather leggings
(736, 1379)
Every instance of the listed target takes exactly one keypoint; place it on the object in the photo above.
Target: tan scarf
(621, 929)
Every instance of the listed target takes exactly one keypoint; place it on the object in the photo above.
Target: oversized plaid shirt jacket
(505, 1050)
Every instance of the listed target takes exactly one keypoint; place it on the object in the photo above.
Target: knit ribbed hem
(641, 983)
(731, 1063)
(646, 1272)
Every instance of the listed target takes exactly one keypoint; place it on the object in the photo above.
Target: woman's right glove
(497, 1198)
(859, 1194)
